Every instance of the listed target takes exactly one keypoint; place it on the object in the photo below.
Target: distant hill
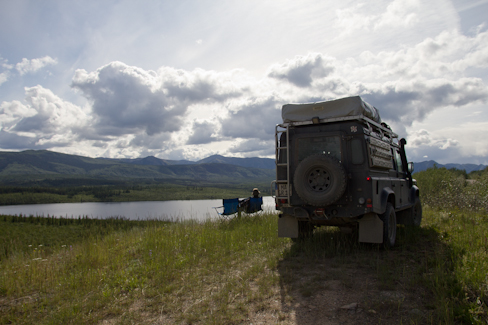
(265, 163)
(45, 168)
(424, 165)
(151, 161)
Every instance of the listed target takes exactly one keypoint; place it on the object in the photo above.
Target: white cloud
(253, 148)
(406, 102)
(449, 55)
(128, 100)
(301, 70)
(399, 13)
(3, 77)
(365, 17)
(29, 66)
(255, 119)
(425, 138)
(45, 121)
(159, 142)
(13, 112)
(203, 132)
(463, 143)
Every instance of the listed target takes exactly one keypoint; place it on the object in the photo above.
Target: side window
(393, 159)
(357, 154)
(398, 161)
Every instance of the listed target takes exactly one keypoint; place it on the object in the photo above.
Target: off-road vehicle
(337, 164)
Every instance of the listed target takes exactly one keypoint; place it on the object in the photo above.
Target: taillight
(369, 203)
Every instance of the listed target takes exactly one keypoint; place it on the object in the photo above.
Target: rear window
(330, 145)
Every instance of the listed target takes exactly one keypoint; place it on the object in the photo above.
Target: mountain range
(264, 163)
(48, 168)
(424, 165)
(43, 167)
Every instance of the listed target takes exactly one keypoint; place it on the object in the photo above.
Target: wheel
(320, 180)
(389, 226)
(414, 217)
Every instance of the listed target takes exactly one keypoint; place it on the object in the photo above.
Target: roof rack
(373, 127)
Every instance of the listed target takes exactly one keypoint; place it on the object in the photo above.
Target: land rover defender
(337, 164)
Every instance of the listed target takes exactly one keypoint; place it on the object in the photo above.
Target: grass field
(225, 272)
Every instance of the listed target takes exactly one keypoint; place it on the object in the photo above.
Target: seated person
(253, 203)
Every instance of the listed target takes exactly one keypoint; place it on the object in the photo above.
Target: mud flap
(371, 229)
(287, 226)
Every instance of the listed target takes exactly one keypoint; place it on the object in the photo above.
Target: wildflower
(40, 245)
(63, 245)
(30, 245)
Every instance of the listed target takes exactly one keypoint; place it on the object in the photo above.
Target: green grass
(460, 278)
(24, 234)
(159, 265)
(221, 272)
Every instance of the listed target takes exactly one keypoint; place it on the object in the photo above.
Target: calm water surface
(167, 210)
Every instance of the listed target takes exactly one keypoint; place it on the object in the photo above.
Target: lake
(166, 210)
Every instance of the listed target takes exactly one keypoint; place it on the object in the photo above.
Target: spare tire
(320, 180)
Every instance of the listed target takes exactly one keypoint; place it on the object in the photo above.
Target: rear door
(400, 184)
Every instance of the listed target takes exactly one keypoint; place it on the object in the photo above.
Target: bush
(443, 188)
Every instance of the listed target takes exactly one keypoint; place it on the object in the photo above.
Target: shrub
(442, 188)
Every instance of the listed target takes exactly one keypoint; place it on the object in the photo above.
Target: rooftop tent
(349, 106)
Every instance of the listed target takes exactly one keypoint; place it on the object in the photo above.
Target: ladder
(282, 185)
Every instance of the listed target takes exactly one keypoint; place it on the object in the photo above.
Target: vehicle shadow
(332, 279)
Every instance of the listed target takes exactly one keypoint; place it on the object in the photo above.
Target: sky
(192, 78)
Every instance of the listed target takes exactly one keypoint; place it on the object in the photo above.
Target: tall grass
(166, 263)
(19, 234)
(441, 188)
(460, 275)
(457, 209)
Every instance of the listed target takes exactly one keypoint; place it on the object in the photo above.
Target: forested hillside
(46, 168)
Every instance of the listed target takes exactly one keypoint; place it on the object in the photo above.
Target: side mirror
(410, 167)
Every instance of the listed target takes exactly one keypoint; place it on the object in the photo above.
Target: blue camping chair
(231, 206)
(255, 204)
